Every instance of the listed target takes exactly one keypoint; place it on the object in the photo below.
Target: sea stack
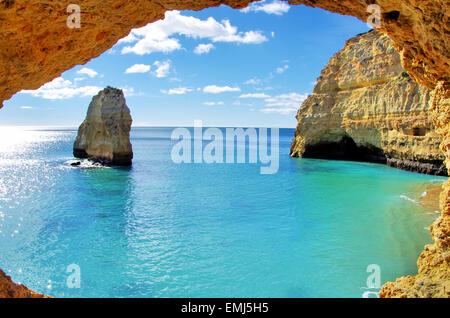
(365, 107)
(104, 136)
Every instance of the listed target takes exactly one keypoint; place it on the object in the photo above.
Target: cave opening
(419, 131)
(345, 149)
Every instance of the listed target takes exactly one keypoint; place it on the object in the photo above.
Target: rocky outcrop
(38, 47)
(366, 107)
(104, 136)
(9, 289)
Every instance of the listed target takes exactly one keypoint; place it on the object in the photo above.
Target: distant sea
(160, 229)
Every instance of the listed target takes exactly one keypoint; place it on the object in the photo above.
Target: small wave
(404, 197)
(84, 163)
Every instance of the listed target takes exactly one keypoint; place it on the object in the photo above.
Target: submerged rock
(365, 107)
(104, 136)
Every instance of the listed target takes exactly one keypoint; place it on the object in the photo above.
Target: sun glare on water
(17, 140)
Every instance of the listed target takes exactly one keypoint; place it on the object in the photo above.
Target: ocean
(316, 228)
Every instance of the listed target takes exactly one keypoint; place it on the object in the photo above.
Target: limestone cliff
(366, 107)
(105, 133)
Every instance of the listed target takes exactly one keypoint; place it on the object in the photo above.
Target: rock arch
(37, 46)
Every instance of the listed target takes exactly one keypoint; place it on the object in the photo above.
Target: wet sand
(430, 197)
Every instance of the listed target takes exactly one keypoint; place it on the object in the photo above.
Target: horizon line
(148, 126)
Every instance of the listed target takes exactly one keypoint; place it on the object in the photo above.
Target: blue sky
(226, 67)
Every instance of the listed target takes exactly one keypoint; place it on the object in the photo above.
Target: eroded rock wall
(37, 46)
(366, 107)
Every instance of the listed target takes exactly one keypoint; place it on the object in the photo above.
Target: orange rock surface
(37, 46)
(9, 289)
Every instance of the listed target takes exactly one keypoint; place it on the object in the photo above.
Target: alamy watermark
(74, 279)
(251, 141)
(74, 19)
(373, 281)
(374, 19)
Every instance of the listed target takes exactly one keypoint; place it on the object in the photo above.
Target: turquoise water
(160, 229)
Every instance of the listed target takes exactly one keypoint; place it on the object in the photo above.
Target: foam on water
(84, 164)
(405, 197)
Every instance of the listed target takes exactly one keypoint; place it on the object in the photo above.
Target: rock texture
(9, 289)
(104, 135)
(366, 107)
(37, 47)
(433, 278)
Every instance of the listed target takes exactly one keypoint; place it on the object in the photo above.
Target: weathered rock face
(9, 289)
(433, 278)
(105, 133)
(38, 47)
(366, 107)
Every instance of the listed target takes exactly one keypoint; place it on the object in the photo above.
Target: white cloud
(177, 91)
(129, 91)
(213, 103)
(26, 107)
(282, 111)
(286, 100)
(280, 70)
(60, 88)
(162, 68)
(138, 68)
(147, 46)
(203, 48)
(253, 81)
(88, 71)
(156, 37)
(275, 7)
(213, 89)
(254, 95)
